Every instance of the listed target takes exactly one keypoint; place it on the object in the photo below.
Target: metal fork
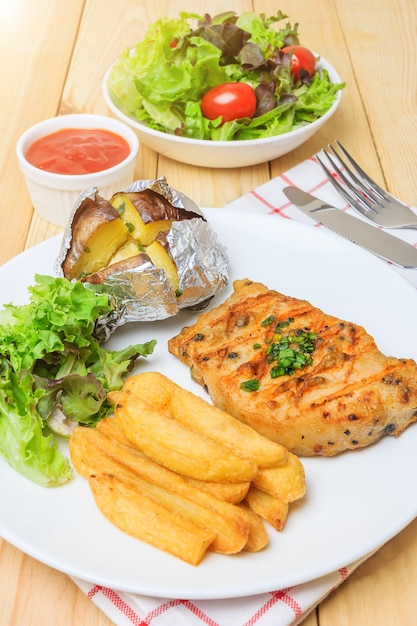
(364, 194)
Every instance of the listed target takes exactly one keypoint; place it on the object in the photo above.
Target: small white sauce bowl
(224, 154)
(53, 195)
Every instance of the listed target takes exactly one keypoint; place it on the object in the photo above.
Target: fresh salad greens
(51, 362)
(162, 80)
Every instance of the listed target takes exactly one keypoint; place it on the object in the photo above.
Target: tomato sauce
(78, 151)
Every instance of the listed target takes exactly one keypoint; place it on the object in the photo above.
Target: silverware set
(363, 193)
(372, 201)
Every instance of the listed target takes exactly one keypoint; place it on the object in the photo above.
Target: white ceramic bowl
(224, 154)
(53, 195)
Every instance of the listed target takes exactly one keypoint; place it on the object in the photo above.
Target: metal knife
(371, 238)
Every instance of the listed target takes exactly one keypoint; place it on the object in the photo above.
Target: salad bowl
(224, 154)
(222, 91)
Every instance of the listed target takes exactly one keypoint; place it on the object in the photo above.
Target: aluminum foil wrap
(144, 293)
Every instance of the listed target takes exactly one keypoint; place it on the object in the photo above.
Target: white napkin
(283, 607)
(309, 176)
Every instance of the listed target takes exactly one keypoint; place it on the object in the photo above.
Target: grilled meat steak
(331, 389)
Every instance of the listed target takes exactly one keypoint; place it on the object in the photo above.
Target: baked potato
(149, 247)
(105, 233)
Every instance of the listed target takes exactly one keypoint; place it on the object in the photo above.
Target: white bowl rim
(140, 126)
(91, 120)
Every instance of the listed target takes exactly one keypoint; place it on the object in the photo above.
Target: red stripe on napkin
(118, 604)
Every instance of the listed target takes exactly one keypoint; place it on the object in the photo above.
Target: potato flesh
(99, 248)
(92, 215)
(143, 233)
(146, 234)
(160, 258)
(129, 249)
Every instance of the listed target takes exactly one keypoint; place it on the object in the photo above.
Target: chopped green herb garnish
(284, 324)
(130, 227)
(250, 385)
(290, 353)
(269, 320)
(122, 208)
(285, 353)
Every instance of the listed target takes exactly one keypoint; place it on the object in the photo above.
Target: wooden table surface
(53, 58)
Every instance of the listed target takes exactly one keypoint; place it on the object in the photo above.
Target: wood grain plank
(45, 607)
(381, 591)
(38, 37)
(380, 40)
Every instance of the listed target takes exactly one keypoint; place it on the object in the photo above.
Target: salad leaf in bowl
(206, 90)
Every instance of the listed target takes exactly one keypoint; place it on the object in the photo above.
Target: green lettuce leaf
(50, 361)
(23, 442)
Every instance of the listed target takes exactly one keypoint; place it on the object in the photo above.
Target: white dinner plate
(355, 501)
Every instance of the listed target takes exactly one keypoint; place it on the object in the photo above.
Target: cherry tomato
(231, 101)
(301, 58)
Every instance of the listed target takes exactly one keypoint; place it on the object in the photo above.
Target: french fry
(92, 452)
(180, 449)
(285, 481)
(109, 427)
(113, 396)
(231, 527)
(200, 416)
(135, 513)
(273, 510)
(242, 440)
(229, 492)
(258, 535)
(156, 389)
